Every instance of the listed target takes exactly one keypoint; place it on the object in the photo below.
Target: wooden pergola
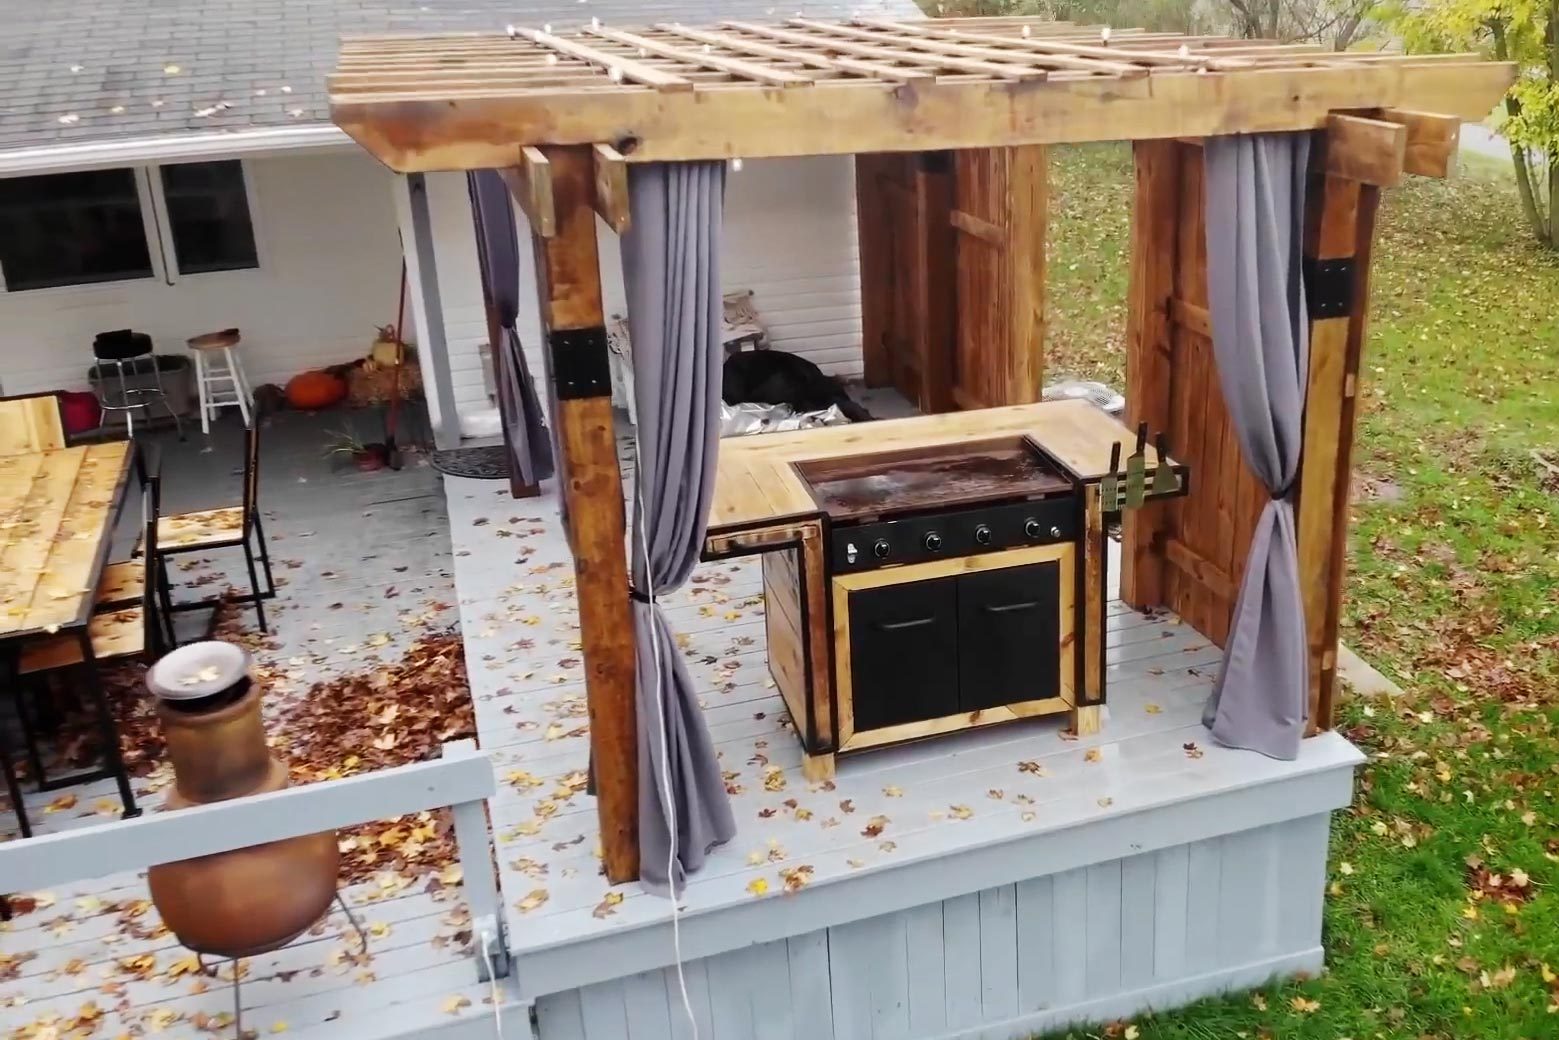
(949, 121)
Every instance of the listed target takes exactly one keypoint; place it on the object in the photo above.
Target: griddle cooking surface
(941, 477)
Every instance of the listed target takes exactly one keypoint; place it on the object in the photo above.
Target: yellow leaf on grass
(1548, 974)
(1305, 1007)
(1131, 1033)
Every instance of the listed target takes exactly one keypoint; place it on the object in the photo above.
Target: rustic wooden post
(1155, 219)
(1340, 217)
(569, 280)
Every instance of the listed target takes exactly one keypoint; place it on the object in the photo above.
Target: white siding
(330, 265)
(789, 237)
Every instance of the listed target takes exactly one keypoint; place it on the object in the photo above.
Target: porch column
(416, 227)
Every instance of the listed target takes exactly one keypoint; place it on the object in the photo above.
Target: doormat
(489, 463)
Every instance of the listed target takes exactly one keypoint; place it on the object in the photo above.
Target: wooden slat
(1056, 53)
(1368, 150)
(530, 184)
(1432, 141)
(734, 66)
(569, 277)
(611, 187)
(632, 71)
(1013, 72)
(763, 50)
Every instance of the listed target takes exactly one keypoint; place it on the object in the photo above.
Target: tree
(1526, 32)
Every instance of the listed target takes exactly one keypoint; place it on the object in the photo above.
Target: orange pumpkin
(311, 391)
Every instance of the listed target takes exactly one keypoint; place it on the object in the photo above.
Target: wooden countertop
(756, 481)
(57, 510)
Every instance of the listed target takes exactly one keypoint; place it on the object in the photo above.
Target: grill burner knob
(982, 534)
(933, 541)
(1031, 527)
(880, 549)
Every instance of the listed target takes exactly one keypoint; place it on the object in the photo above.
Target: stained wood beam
(611, 187)
(632, 71)
(1014, 73)
(1372, 151)
(568, 278)
(1432, 141)
(734, 66)
(530, 183)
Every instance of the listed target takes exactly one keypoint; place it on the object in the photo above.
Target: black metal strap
(1329, 287)
(580, 365)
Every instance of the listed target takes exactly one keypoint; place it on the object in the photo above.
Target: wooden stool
(219, 376)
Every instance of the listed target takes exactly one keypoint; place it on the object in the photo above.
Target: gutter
(172, 148)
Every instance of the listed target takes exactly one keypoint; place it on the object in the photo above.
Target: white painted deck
(897, 828)
(377, 545)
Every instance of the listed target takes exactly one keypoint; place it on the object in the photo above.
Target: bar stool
(123, 357)
(219, 376)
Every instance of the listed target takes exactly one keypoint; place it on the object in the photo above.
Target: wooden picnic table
(57, 515)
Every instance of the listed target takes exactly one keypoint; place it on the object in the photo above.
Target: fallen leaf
(960, 812)
(536, 898)
(874, 826)
(607, 906)
(893, 791)
(1305, 1007)
(61, 804)
(1093, 754)
(758, 886)
(453, 1005)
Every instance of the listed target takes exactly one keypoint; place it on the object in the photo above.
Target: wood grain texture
(1369, 150)
(530, 185)
(31, 424)
(1432, 141)
(570, 285)
(1156, 214)
(875, 237)
(611, 188)
(1000, 204)
(56, 515)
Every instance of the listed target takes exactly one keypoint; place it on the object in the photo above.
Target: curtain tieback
(637, 596)
(1282, 493)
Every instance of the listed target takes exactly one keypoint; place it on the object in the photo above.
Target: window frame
(158, 229)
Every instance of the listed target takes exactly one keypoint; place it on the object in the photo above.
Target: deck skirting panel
(1110, 939)
(1116, 837)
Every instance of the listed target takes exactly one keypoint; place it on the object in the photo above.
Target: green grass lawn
(1442, 919)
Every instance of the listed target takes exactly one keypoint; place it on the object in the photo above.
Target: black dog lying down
(775, 377)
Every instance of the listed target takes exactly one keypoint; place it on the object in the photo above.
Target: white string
(492, 978)
(660, 728)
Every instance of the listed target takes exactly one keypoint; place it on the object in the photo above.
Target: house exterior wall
(329, 268)
(789, 237)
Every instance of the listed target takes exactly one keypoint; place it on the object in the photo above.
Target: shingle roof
(74, 71)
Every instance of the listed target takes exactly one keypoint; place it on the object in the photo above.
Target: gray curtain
(497, 252)
(671, 271)
(1255, 197)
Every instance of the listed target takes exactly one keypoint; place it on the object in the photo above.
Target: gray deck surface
(378, 545)
(886, 810)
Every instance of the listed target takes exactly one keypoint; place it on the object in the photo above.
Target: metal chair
(120, 356)
(231, 527)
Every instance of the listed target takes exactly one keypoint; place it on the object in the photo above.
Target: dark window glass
(208, 210)
(71, 229)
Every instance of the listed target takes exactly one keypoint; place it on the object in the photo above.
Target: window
(72, 229)
(115, 225)
(208, 214)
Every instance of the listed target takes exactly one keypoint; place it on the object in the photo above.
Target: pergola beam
(530, 183)
(1371, 151)
(1432, 140)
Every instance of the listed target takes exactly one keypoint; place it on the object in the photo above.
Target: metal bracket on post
(580, 363)
(1329, 287)
(473, 842)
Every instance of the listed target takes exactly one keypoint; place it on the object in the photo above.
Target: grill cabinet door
(904, 652)
(1009, 633)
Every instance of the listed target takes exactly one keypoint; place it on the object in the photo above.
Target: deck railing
(461, 780)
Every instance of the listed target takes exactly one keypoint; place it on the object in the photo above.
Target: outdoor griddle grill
(946, 572)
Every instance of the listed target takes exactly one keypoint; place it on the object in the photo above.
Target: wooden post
(569, 281)
(874, 241)
(1341, 226)
(1155, 219)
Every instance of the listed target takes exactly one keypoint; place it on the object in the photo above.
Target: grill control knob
(880, 549)
(1055, 532)
(982, 534)
(1031, 527)
(933, 541)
